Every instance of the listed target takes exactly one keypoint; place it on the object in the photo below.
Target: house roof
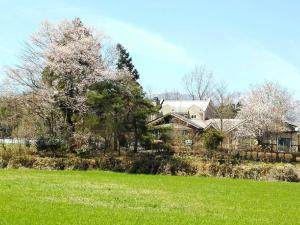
(182, 106)
(294, 124)
(199, 122)
(180, 117)
(227, 124)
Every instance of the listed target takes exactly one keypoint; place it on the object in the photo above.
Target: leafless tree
(172, 95)
(224, 104)
(198, 83)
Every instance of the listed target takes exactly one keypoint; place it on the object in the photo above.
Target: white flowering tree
(58, 66)
(265, 109)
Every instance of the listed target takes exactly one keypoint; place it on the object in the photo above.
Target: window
(184, 132)
(193, 116)
(284, 143)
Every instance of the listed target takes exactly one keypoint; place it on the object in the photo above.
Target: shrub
(50, 144)
(285, 173)
(256, 172)
(176, 166)
(212, 139)
(156, 164)
(3, 163)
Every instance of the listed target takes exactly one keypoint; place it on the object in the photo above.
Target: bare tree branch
(198, 83)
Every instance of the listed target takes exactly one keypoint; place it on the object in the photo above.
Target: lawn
(94, 197)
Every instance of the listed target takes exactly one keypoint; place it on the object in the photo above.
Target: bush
(3, 163)
(50, 144)
(212, 139)
(285, 173)
(155, 164)
(256, 172)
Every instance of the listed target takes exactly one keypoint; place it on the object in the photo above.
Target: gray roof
(226, 124)
(199, 122)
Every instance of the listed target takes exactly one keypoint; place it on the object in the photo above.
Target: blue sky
(243, 42)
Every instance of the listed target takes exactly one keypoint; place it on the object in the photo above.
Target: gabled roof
(182, 106)
(293, 124)
(228, 124)
(199, 122)
(180, 117)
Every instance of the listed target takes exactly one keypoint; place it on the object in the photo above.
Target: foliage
(265, 109)
(51, 144)
(212, 139)
(74, 95)
(10, 115)
(119, 112)
(250, 171)
(58, 66)
(125, 62)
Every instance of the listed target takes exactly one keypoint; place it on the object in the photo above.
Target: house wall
(274, 141)
(231, 142)
(196, 111)
(166, 109)
(193, 110)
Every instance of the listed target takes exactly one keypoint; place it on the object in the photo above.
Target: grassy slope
(70, 197)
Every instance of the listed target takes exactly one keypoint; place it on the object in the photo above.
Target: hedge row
(151, 164)
(139, 164)
(256, 172)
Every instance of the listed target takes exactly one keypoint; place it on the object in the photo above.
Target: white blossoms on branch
(61, 62)
(265, 109)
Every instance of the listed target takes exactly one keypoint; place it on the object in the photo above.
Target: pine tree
(125, 61)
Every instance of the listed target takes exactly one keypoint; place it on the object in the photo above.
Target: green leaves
(125, 62)
(212, 138)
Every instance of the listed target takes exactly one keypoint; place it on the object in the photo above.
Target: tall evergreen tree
(125, 62)
(120, 111)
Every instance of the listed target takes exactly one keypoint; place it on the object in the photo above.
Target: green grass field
(93, 197)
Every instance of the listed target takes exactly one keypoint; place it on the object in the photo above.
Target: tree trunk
(259, 141)
(69, 115)
(135, 138)
(115, 141)
(135, 144)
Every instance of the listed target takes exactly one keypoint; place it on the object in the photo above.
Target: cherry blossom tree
(59, 64)
(265, 109)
